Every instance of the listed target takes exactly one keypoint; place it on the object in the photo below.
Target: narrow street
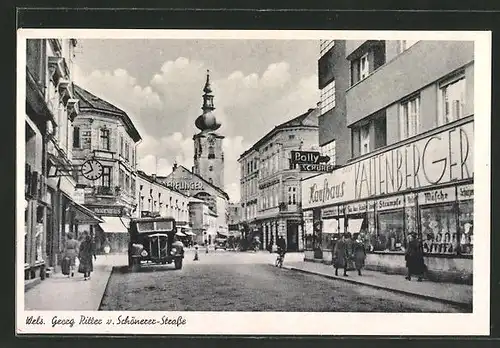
(231, 281)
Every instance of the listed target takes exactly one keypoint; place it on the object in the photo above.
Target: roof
(300, 121)
(89, 101)
(218, 189)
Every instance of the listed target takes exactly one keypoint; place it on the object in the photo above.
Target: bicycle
(279, 260)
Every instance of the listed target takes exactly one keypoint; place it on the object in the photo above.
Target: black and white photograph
(271, 182)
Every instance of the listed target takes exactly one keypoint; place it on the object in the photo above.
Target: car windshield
(164, 225)
(151, 226)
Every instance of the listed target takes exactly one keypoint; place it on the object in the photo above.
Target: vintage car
(153, 240)
(220, 243)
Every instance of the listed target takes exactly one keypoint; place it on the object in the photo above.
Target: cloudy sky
(257, 84)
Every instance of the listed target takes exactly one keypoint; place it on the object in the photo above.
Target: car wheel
(134, 264)
(178, 263)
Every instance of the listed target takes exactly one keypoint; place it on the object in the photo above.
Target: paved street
(231, 281)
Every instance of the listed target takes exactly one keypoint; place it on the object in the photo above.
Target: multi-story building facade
(409, 114)
(234, 218)
(157, 199)
(51, 207)
(270, 183)
(106, 133)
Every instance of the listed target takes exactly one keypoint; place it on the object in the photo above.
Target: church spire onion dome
(207, 120)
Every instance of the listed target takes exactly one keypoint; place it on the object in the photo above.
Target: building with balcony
(270, 183)
(51, 107)
(157, 199)
(106, 133)
(409, 116)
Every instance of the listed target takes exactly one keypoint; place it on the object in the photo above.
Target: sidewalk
(455, 294)
(60, 293)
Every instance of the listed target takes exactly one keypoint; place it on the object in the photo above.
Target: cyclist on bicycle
(281, 244)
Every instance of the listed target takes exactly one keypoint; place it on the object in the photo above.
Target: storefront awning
(180, 234)
(84, 215)
(113, 224)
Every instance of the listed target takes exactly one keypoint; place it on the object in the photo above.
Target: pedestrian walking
(339, 255)
(196, 252)
(106, 247)
(86, 254)
(70, 253)
(359, 254)
(414, 257)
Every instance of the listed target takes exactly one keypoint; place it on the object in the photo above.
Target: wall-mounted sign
(308, 157)
(441, 158)
(437, 196)
(356, 208)
(370, 205)
(320, 167)
(107, 211)
(410, 199)
(328, 189)
(329, 212)
(438, 159)
(465, 192)
(389, 203)
(79, 196)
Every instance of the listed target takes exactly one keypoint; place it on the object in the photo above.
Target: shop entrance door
(292, 236)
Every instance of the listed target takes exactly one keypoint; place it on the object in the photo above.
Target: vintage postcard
(253, 182)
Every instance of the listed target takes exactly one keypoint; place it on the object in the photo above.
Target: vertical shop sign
(465, 192)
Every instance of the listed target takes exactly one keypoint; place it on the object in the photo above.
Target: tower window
(211, 152)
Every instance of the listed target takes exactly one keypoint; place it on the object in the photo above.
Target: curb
(467, 306)
(105, 288)
(29, 284)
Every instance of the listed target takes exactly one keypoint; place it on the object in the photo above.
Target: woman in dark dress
(359, 254)
(85, 255)
(415, 258)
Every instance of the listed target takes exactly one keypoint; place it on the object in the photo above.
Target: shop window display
(439, 229)
(330, 229)
(390, 231)
(466, 225)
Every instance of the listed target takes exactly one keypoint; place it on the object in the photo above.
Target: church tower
(208, 152)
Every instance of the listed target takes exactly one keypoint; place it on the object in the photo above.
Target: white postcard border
(286, 323)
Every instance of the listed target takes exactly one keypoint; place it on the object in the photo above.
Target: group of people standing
(347, 251)
(84, 251)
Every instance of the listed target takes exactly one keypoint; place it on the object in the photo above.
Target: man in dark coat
(414, 257)
(340, 256)
(281, 244)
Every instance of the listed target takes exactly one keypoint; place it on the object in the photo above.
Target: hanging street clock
(92, 169)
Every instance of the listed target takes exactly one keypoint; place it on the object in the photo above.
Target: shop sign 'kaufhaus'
(438, 159)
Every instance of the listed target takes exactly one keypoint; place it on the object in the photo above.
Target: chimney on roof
(318, 104)
(174, 167)
(154, 177)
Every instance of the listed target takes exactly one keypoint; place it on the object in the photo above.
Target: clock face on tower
(92, 169)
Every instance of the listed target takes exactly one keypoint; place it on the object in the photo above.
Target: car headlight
(173, 251)
(144, 253)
